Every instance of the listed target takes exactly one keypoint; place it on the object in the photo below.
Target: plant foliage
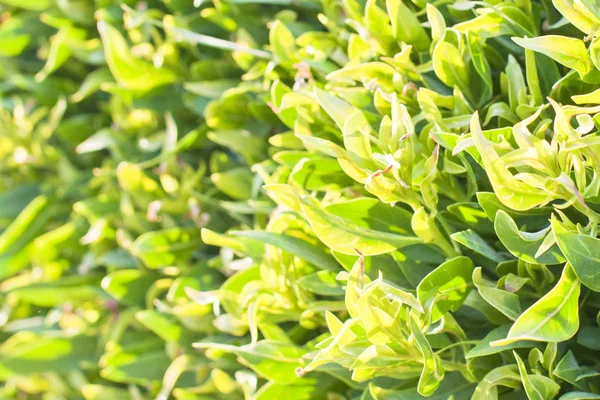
(299, 199)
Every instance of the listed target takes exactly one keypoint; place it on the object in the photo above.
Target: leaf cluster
(299, 199)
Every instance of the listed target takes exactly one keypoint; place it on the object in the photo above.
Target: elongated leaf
(272, 360)
(354, 126)
(579, 251)
(163, 248)
(28, 353)
(513, 193)
(569, 52)
(451, 281)
(450, 67)
(505, 302)
(128, 286)
(298, 247)
(406, 25)
(579, 396)
(452, 385)
(578, 14)
(506, 375)
(473, 241)
(553, 318)
(569, 370)
(323, 283)
(537, 387)
(433, 372)
(346, 237)
(130, 72)
(525, 245)
(484, 347)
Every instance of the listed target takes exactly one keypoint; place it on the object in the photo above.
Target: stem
(210, 41)
(464, 342)
(205, 40)
(453, 366)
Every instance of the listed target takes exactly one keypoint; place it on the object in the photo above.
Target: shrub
(264, 199)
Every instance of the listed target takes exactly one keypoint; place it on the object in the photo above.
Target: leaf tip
(518, 40)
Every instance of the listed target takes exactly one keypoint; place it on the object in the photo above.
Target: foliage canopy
(300, 199)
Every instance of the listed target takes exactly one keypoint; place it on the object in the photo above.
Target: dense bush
(294, 199)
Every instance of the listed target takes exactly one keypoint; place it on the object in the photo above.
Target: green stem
(205, 40)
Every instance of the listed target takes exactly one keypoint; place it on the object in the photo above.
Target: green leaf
(271, 360)
(103, 392)
(513, 193)
(210, 89)
(343, 235)
(17, 240)
(451, 281)
(24, 227)
(449, 65)
(366, 72)
(336, 108)
(373, 214)
(578, 249)
(166, 247)
(74, 289)
(37, 5)
(282, 44)
(240, 245)
(406, 26)
(129, 71)
(537, 387)
(322, 282)
(525, 245)
(210, 41)
(506, 375)
(354, 126)
(484, 347)
(579, 396)
(242, 142)
(473, 241)
(13, 201)
(320, 174)
(578, 14)
(436, 21)
(295, 246)
(27, 353)
(482, 67)
(92, 83)
(568, 369)
(163, 326)
(486, 25)
(453, 385)
(433, 372)
(516, 84)
(305, 389)
(505, 302)
(128, 286)
(533, 80)
(588, 337)
(553, 318)
(135, 367)
(567, 51)
(235, 183)
(59, 50)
